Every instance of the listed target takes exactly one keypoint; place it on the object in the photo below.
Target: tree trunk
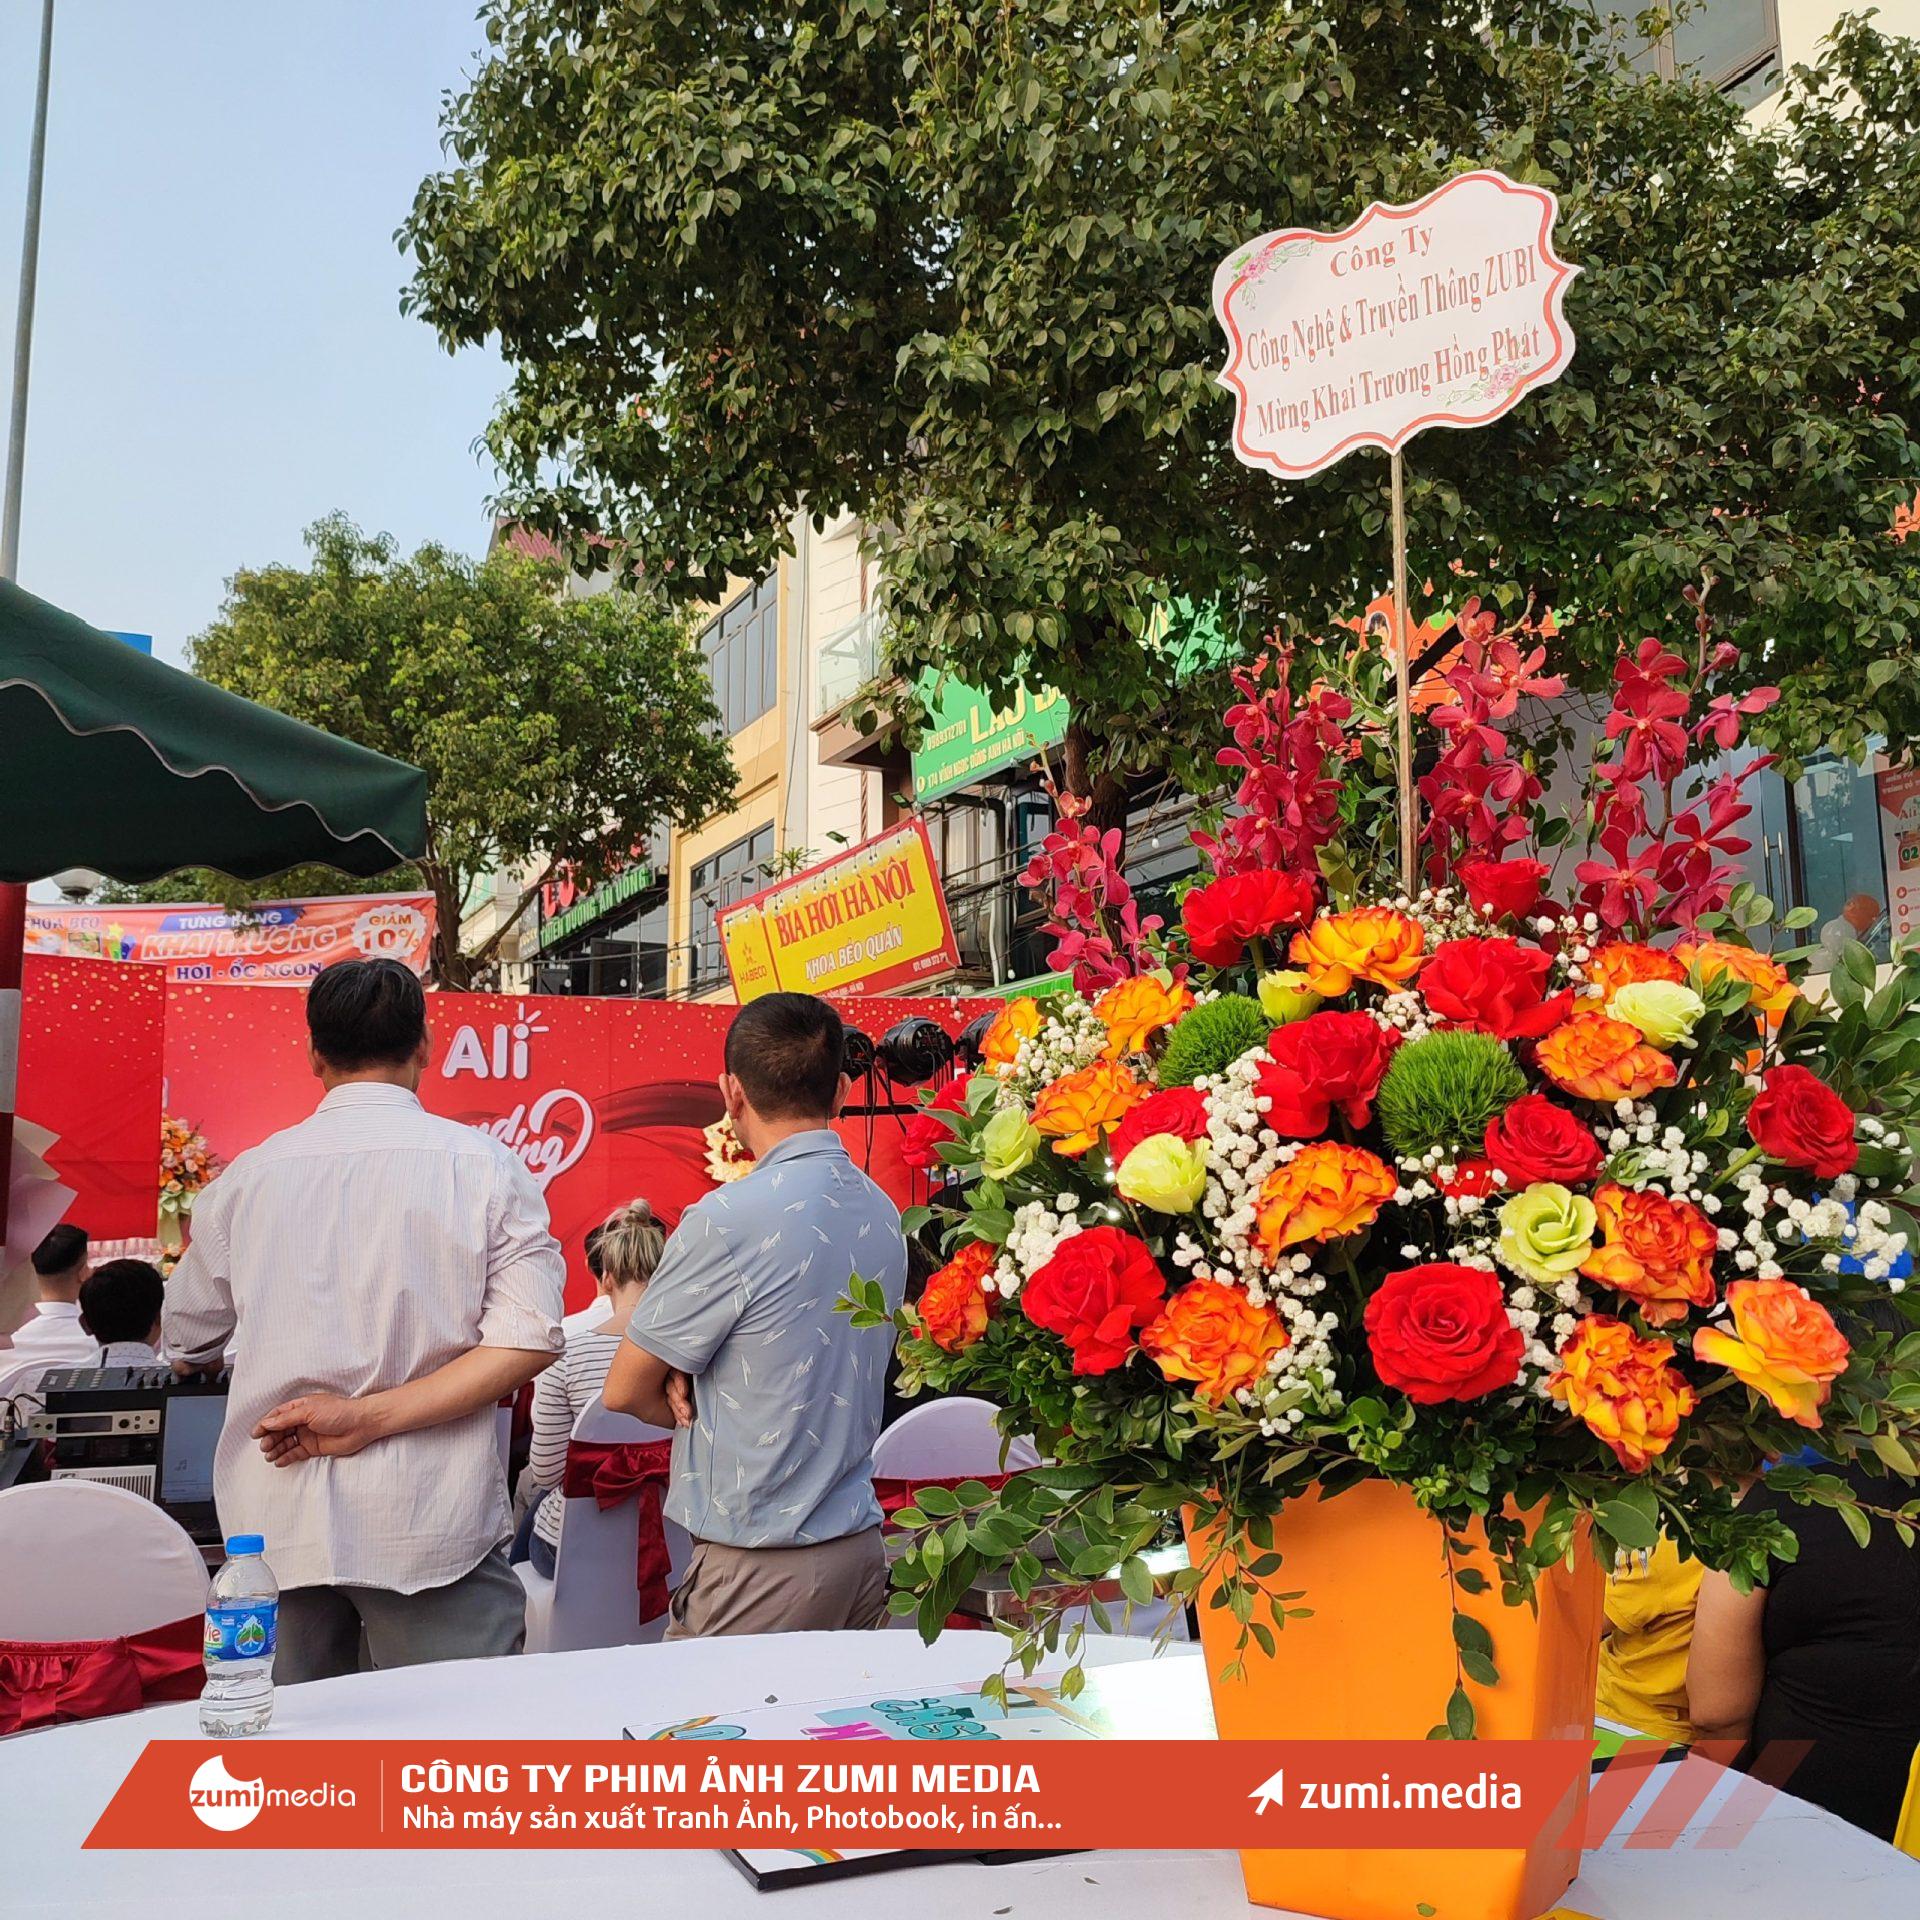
(1107, 795)
(452, 970)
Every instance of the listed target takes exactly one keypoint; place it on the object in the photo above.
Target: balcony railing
(850, 658)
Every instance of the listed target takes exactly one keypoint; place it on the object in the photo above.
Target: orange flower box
(1375, 1661)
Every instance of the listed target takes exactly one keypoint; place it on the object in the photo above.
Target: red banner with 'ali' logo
(602, 1099)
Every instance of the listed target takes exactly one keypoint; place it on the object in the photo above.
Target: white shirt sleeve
(197, 1315)
(526, 1272)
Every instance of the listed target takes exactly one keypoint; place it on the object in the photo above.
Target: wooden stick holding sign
(1441, 313)
(1401, 641)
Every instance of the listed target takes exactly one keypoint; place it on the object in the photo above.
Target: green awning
(112, 760)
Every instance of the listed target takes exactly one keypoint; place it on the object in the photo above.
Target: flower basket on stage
(1422, 1251)
(187, 1165)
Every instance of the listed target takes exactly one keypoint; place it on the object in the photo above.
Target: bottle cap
(246, 1543)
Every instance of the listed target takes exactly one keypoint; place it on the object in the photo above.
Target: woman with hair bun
(629, 1245)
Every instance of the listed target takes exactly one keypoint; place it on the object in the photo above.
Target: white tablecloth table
(1796, 1862)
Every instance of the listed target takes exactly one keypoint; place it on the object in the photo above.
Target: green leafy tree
(950, 266)
(554, 732)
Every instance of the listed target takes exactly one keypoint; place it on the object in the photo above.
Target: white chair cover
(82, 1561)
(946, 1438)
(589, 1602)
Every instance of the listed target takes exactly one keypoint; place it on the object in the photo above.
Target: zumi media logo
(220, 1801)
(226, 1805)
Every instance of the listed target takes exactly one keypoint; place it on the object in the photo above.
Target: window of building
(1733, 45)
(742, 648)
(1841, 837)
(716, 883)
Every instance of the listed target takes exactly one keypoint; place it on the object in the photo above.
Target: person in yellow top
(1643, 1650)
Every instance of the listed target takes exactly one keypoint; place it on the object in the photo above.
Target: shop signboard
(565, 909)
(269, 943)
(1897, 789)
(965, 737)
(870, 920)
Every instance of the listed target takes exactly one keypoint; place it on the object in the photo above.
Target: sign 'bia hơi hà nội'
(870, 920)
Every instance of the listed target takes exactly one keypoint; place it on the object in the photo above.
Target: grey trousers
(837, 1584)
(326, 1631)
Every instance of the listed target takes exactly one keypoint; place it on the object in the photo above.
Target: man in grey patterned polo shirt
(739, 1346)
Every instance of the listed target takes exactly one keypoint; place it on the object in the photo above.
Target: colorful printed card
(1033, 1712)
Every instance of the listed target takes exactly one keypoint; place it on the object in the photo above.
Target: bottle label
(245, 1631)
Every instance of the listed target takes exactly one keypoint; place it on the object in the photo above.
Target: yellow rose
(1663, 1010)
(1008, 1142)
(1784, 1345)
(1135, 1010)
(1364, 943)
(1165, 1173)
(1285, 996)
(1018, 1020)
(1546, 1230)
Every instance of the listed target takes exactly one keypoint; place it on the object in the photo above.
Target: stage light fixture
(856, 1054)
(972, 1044)
(915, 1050)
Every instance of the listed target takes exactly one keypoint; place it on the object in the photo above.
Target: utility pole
(13, 898)
(23, 314)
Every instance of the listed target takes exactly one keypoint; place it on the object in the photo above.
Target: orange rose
(1136, 1009)
(1325, 1191)
(1603, 1059)
(1625, 963)
(1369, 943)
(1018, 1020)
(1657, 1251)
(1624, 1387)
(1784, 1345)
(1080, 1109)
(1214, 1336)
(1773, 992)
(953, 1304)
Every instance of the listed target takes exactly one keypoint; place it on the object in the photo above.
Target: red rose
(1441, 1332)
(1221, 917)
(1495, 985)
(1798, 1118)
(1325, 1061)
(1535, 1140)
(1503, 888)
(1096, 1290)
(925, 1130)
(1473, 1177)
(1181, 1111)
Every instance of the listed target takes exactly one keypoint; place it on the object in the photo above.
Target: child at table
(629, 1248)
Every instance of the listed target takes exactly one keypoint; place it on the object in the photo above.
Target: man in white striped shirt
(385, 1277)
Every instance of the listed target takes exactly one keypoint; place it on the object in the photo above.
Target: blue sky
(219, 355)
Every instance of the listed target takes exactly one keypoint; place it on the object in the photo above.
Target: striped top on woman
(628, 1248)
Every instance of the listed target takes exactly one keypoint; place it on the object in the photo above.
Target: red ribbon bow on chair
(43, 1682)
(611, 1473)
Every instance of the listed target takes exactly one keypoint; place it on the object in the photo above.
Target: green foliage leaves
(952, 270)
(552, 729)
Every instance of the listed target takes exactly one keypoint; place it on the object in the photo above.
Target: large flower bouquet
(1565, 1217)
(187, 1167)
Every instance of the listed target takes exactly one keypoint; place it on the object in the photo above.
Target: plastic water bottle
(243, 1619)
